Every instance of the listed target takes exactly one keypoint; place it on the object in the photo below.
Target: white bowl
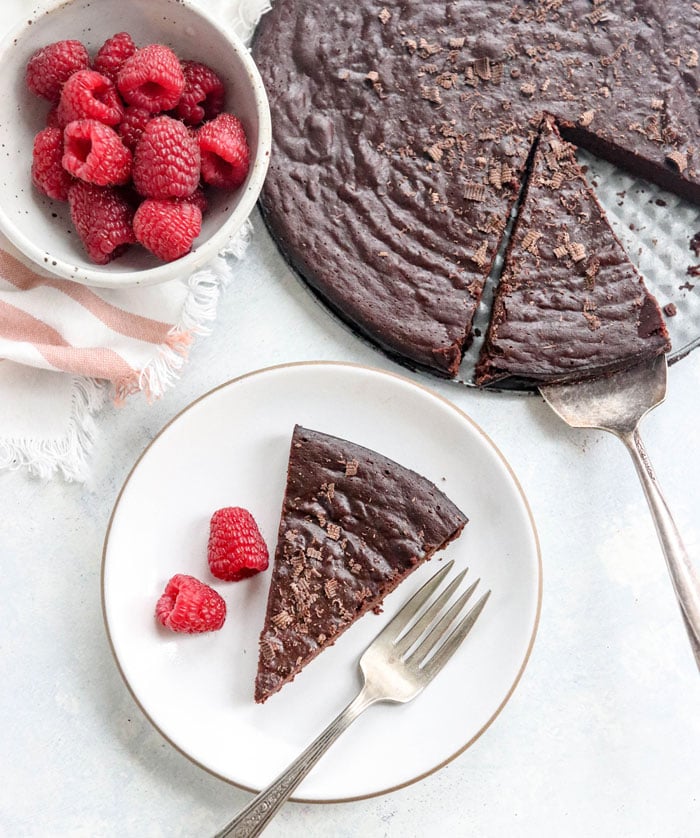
(41, 228)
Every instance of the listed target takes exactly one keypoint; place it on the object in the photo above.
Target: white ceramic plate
(230, 448)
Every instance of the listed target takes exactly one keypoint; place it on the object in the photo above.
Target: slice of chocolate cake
(354, 524)
(569, 304)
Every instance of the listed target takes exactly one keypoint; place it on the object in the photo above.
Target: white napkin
(65, 348)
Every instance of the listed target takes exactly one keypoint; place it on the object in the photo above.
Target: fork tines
(416, 631)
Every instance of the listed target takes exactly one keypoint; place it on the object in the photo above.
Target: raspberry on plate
(166, 160)
(167, 228)
(236, 547)
(112, 54)
(225, 153)
(90, 95)
(48, 174)
(52, 65)
(203, 96)
(152, 78)
(94, 152)
(103, 218)
(188, 605)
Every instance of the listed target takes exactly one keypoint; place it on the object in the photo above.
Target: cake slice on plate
(354, 524)
(569, 305)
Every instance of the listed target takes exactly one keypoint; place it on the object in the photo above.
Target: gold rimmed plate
(230, 448)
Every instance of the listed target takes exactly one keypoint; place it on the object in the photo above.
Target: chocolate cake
(354, 524)
(401, 136)
(569, 303)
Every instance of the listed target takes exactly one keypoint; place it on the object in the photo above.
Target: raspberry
(152, 79)
(112, 54)
(236, 547)
(93, 152)
(90, 95)
(52, 120)
(225, 153)
(52, 65)
(48, 173)
(203, 96)
(197, 199)
(188, 605)
(166, 160)
(103, 219)
(132, 125)
(167, 228)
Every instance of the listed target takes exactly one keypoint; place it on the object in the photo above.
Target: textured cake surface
(354, 524)
(402, 133)
(569, 302)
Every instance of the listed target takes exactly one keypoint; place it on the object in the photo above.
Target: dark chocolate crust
(402, 131)
(354, 524)
(569, 304)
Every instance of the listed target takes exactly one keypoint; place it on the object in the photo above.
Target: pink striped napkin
(65, 348)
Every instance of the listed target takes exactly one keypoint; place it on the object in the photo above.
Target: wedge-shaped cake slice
(569, 304)
(354, 524)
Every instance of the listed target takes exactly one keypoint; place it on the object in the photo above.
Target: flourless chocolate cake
(569, 303)
(401, 135)
(354, 525)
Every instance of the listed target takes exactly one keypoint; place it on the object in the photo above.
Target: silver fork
(396, 667)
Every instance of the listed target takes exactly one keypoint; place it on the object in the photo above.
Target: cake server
(396, 667)
(617, 404)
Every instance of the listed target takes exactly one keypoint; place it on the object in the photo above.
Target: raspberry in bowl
(161, 65)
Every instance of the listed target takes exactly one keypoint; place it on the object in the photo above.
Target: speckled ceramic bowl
(41, 228)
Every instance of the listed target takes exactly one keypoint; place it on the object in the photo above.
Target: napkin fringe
(198, 313)
(68, 455)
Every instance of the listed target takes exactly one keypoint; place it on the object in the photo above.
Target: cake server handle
(259, 812)
(684, 577)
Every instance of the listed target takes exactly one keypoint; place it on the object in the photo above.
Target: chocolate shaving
(480, 258)
(586, 118)
(530, 240)
(282, 619)
(557, 179)
(456, 43)
(432, 94)
(410, 45)
(267, 650)
(677, 159)
(657, 104)
(351, 468)
(427, 49)
(330, 588)
(561, 250)
(313, 553)
(434, 152)
(692, 60)
(474, 191)
(384, 16)
(333, 531)
(528, 89)
(577, 251)
(482, 67)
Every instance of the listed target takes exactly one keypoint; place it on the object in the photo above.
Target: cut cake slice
(354, 524)
(569, 305)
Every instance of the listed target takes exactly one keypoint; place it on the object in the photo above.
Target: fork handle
(683, 575)
(259, 812)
